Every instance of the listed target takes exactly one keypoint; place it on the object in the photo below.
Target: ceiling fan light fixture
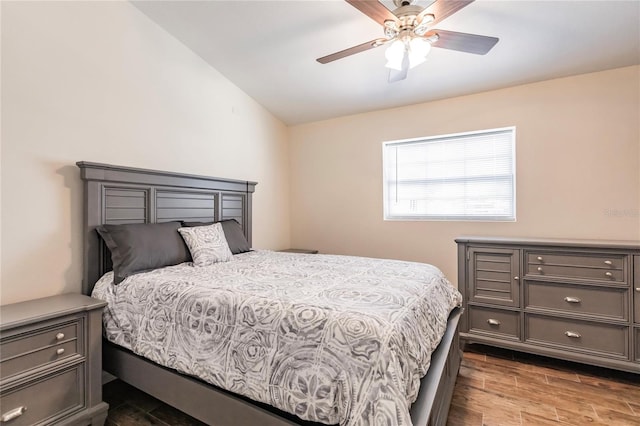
(416, 48)
(394, 54)
(419, 48)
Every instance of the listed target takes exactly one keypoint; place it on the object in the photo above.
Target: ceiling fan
(407, 30)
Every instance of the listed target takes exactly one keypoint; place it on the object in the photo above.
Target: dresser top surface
(28, 312)
(553, 242)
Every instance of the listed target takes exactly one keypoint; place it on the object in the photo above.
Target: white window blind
(468, 176)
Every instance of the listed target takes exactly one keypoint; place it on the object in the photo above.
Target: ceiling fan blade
(398, 75)
(374, 10)
(352, 50)
(442, 9)
(463, 42)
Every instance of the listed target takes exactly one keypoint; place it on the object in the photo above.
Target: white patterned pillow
(207, 244)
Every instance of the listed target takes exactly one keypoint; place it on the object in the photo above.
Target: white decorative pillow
(207, 244)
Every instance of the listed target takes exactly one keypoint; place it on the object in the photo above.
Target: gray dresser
(570, 299)
(51, 362)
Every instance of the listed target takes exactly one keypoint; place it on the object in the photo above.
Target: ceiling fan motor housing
(409, 19)
(400, 3)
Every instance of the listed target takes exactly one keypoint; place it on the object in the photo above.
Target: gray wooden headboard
(116, 195)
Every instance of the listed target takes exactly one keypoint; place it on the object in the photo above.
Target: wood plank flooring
(501, 387)
(130, 407)
(495, 387)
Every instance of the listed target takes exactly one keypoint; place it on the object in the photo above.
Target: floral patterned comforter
(332, 339)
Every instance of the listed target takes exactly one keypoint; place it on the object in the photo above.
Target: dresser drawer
(637, 304)
(636, 289)
(46, 400)
(610, 302)
(584, 336)
(597, 267)
(494, 321)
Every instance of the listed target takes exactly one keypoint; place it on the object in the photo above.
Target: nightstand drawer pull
(539, 268)
(16, 412)
(570, 299)
(493, 321)
(540, 258)
(637, 288)
(608, 262)
(608, 274)
(59, 336)
(572, 334)
(60, 351)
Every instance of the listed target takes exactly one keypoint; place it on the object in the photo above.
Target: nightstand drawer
(40, 357)
(585, 336)
(45, 400)
(494, 321)
(606, 302)
(30, 347)
(592, 267)
(54, 334)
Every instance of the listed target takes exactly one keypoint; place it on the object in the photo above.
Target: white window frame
(440, 138)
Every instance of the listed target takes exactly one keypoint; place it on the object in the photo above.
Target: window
(466, 176)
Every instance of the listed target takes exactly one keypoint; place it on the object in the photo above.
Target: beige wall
(98, 81)
(577, 153)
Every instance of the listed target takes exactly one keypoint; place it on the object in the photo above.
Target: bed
(120, 195)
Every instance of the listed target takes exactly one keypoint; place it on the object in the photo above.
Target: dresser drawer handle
(10, 415)
(539, 258)
(608, 274)
(492, 321)
(572, 334)
(570, 299)
(60, 351)
(539, 268)
(608, 262)
(637, 288)
(59, 336)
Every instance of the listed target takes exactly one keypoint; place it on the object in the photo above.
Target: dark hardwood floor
(495, 387)
(130, 407)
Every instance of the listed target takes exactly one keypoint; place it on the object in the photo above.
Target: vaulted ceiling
(269, 49)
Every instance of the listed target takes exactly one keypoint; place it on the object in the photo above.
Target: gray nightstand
(51, 362)
(305, 251)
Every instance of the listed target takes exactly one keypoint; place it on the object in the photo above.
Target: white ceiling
(268, 49)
